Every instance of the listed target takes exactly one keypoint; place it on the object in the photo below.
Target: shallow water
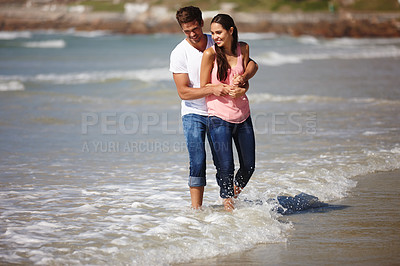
(364, 231)
(93, 165)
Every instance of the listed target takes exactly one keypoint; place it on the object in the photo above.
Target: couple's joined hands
(238, 80)
(235, 90)
(224, 89)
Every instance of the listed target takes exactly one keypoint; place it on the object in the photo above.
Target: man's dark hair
(188, 14)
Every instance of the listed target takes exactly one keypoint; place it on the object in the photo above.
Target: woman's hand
(238, 80)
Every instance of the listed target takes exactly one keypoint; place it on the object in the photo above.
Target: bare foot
(228, 204)
(237, 191)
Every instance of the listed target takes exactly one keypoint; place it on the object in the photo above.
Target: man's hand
(219, 89)
(236, 91)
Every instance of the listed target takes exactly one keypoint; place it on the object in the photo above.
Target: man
(185, 62)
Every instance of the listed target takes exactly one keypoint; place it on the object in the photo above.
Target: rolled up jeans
(195, 130)
(221, 134)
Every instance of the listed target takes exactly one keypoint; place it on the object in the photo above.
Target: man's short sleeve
(178, 62)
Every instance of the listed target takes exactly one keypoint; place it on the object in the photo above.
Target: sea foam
(12, 85)
(273, 58)
(45, 44)
(15, 82)
(267, 97)
(11, 35)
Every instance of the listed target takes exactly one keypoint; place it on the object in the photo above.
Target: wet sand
(365, 232)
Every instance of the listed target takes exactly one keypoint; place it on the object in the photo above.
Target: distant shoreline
(329, 25)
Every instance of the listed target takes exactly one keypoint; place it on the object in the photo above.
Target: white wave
(308, 40)
(257, 36)
(371, 133)
(340, 42)
(267, 97)
(43, 227)
(349, 42)
(276, 59)
(11, 35)
(210, 234)
(12, 85)
(370, 53)
(85, 208)
(146, 75)
(73, 32)
(90, 34)
(45, 44)
(395, 150)
(329, 176)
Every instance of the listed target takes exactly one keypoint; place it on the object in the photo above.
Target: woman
(229, 115)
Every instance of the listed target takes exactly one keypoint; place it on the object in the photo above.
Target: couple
(211, 74)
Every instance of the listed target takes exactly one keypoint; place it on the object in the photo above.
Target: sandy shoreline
(367, 232)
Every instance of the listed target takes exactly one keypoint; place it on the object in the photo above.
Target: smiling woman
(229, 115)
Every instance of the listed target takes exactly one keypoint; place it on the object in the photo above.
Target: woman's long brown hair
(223, 66)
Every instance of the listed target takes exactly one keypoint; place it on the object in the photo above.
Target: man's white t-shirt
(187, 59)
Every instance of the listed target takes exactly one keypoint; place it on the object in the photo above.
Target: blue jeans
(195, 129)
(222, 133)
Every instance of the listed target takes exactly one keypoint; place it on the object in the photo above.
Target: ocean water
(93, 163)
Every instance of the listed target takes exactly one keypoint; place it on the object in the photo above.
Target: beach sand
(365, 232)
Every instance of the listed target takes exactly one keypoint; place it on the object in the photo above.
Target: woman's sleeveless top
(234, 110)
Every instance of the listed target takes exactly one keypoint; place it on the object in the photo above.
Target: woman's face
(221, 36)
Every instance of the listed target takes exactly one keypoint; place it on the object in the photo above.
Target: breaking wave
(12, 85)
(11, 35)
(267, 97)
(46, 44)
(335, 49)
(146, 75)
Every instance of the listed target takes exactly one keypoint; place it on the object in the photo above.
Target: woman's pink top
(234, 110)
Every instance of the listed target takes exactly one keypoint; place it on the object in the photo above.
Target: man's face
(193, 31)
